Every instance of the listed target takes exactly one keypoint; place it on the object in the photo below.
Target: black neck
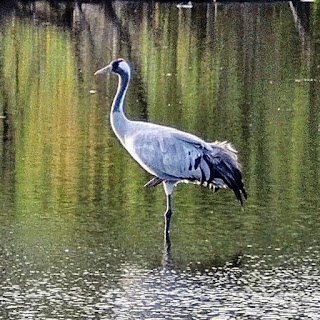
(122, 88)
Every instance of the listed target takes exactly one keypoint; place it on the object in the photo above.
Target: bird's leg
(167, 216)
(153, 182)
(168, 188)
(167, 259)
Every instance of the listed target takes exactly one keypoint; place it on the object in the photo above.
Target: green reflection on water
(254, 82)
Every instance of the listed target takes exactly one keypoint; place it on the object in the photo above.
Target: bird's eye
(115, 65)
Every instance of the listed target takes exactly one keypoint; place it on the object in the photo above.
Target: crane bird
(171, 155)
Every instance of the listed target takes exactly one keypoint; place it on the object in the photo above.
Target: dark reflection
(302, 15)
(167, 262)
(7, 8)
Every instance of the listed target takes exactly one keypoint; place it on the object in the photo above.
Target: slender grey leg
(167, 216)
(168, 188)
(168, 213)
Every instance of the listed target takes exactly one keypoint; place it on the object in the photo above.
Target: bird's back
(161, 150)
(174, 155)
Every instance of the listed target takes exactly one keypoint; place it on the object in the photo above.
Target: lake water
(81, 238)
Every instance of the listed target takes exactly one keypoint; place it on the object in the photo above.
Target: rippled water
(250, 290)
(98, 278)
(79, 235)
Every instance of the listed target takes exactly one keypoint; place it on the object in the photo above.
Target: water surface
(79, 235)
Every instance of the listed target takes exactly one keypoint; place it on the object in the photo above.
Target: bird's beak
(104, 70)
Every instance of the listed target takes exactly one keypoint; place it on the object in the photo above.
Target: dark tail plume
(224, 165)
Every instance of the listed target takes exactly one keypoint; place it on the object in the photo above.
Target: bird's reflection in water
(166, 258)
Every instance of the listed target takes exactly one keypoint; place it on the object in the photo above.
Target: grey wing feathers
(173, 155)
(165, 153)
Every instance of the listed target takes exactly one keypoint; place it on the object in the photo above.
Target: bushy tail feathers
(223, 163)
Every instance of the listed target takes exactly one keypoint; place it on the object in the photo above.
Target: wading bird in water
(171, 155)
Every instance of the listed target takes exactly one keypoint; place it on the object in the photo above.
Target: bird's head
(118, 66)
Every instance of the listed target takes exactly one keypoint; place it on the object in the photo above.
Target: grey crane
(171, 155)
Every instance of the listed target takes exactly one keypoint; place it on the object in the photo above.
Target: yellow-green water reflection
(238, 72)
(253, 83)
(75, 218)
